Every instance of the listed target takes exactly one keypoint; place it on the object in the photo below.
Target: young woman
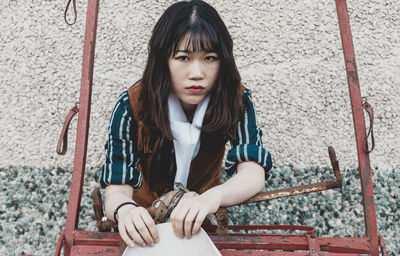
(172, 126)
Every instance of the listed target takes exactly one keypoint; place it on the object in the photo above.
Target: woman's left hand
(189, 214)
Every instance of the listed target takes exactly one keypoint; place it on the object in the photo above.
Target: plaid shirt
(122, 156)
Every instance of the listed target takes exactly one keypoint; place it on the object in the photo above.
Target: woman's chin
(188, 102)
(193, 99)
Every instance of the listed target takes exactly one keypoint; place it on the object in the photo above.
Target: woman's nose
(196, 71)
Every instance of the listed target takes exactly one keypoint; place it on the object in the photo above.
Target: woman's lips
(195, 88)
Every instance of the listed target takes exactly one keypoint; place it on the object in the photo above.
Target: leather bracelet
(116, 210)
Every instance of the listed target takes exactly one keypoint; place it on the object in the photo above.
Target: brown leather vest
(205, 168)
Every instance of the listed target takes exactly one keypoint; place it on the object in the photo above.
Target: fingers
(151, 225)
(124, 235)
(177, 217)
(144, 232)
(187, 217)
(138, 226)
(190, 217)
(199, 220)
(131, 230)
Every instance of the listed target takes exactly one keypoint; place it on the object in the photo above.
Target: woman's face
(193, 74)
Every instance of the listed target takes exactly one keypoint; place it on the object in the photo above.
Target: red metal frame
(83, 125)
(104, 243)
(371, 228)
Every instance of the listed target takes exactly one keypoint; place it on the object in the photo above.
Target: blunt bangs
(199, 36)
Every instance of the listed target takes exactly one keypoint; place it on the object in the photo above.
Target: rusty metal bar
(303, 189)
(371, 228)
(277, 253)
(290, 242)
(97, 238)
(292, 191)
(211, 228)
(382, 246)
(59, 244)
(83, 124)
(80, 250)
(334, 163)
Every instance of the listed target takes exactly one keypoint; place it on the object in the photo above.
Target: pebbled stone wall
(288, 52)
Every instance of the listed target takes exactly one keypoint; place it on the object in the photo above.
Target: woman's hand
(189, 214)
(136, 225)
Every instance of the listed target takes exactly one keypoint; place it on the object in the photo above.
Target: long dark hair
(206, 31)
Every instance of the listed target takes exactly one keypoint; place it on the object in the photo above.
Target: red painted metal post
(83, 124)
(371, 228)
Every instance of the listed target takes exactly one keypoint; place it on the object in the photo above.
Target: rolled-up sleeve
(122, 159)
(248, 144)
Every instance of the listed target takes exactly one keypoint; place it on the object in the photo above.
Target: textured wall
(288, 52)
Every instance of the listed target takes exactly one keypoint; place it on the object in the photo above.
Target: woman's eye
(184, 58)
(210, 58)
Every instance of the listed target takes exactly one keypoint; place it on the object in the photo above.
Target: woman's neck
(189, 110)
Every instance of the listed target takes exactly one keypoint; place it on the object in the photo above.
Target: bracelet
(116, 210)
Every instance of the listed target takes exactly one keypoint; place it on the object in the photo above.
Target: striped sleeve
(121, 166)
(248, 143)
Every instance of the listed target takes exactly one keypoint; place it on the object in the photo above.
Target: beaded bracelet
(116, 210)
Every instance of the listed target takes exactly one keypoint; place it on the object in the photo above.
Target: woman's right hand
(135, 225)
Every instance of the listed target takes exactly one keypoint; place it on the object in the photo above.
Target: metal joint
(313, 243)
